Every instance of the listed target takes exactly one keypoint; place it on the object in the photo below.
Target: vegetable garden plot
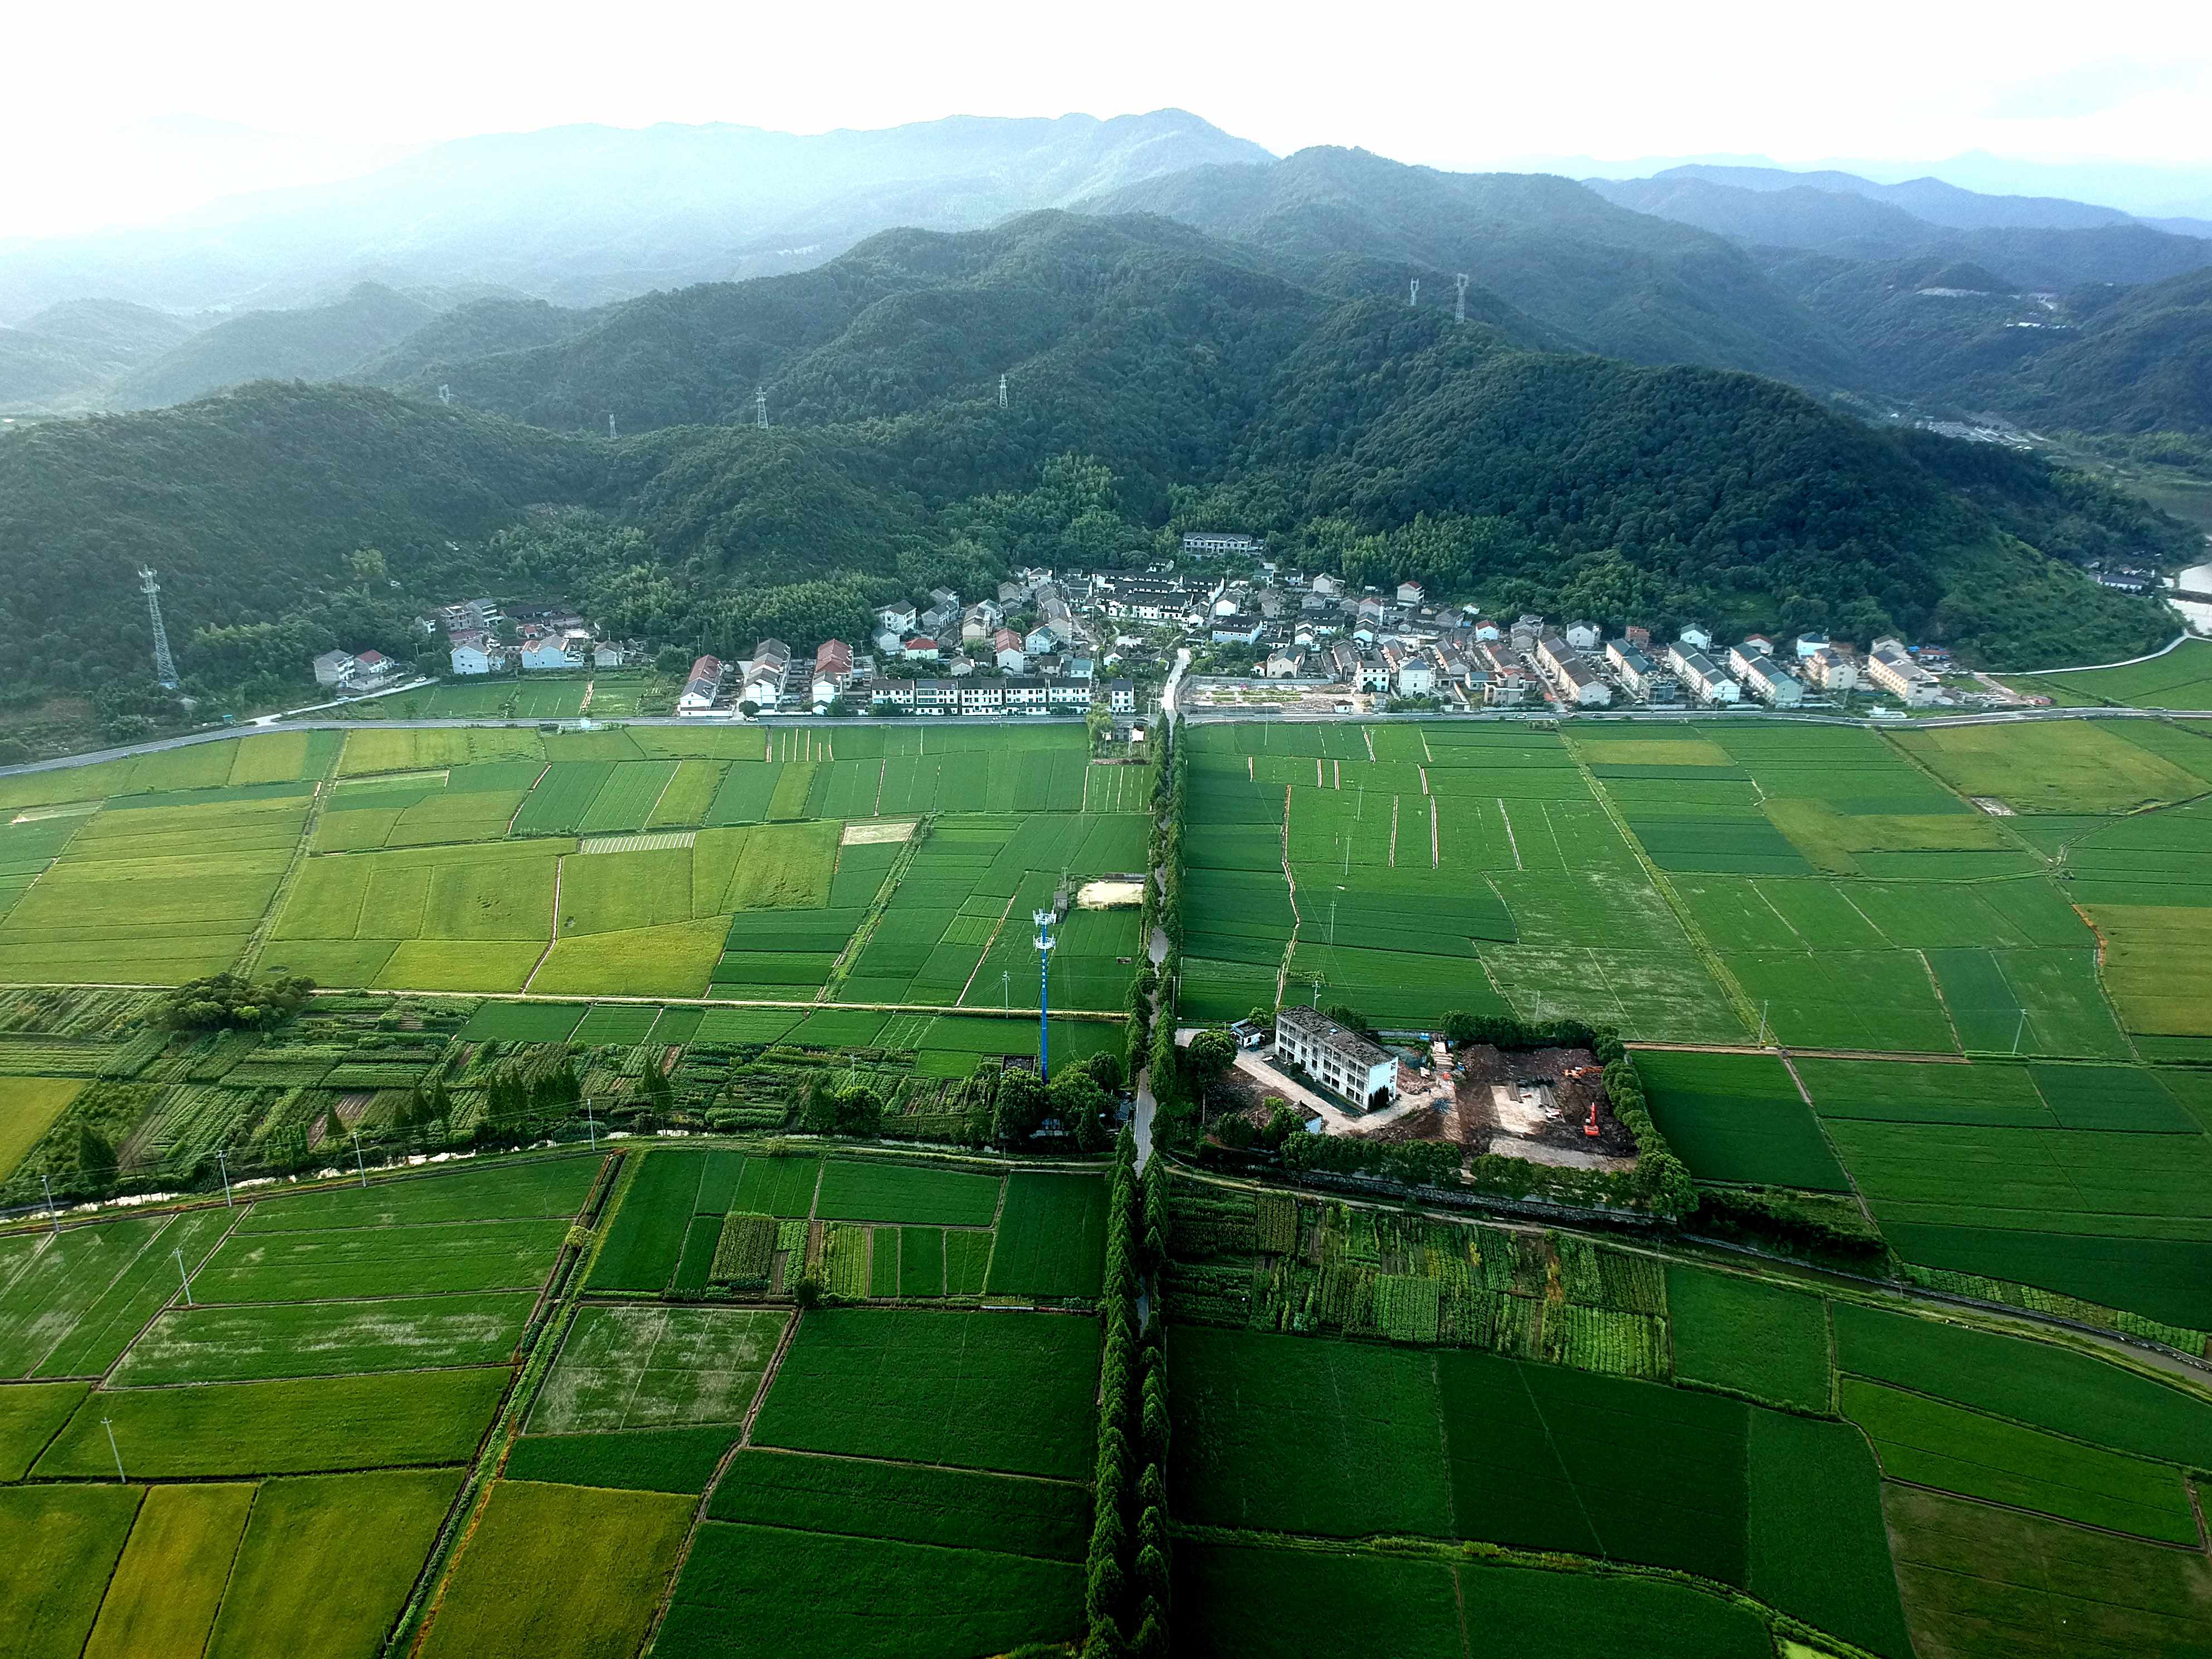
(636, 1367)
(976, 1390)
(1738, 1118)
(1052, 1236)
(871, 1190)
(215, 1429)
(1992, 1583)
(555, 1571)
(1749, 1337)
(1930, 1442)
(782, 1593)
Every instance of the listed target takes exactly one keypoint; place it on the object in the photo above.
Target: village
(1259, 639)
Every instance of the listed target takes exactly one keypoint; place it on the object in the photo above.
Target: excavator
(1577, 1072)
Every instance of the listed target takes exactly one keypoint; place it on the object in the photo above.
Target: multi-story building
(1222, 541)
(1771, 681)
(1341, 1060)
(700, 687)
(1700, 673)
(1889, 667)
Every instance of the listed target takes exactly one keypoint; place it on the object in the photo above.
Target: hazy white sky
(1465, 85)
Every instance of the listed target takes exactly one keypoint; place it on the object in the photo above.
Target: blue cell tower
(1044, 944)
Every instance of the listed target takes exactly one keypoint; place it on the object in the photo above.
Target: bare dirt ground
(1523, 1104)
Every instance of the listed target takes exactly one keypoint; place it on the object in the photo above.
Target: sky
(134, 109)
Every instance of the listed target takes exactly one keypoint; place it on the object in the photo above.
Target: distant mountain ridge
(581, 214)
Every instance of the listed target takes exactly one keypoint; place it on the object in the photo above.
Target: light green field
(2051, 766)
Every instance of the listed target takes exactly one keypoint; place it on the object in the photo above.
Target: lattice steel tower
(165, 665)
(760, 407)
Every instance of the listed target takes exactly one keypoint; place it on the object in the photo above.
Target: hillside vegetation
(1207, 383)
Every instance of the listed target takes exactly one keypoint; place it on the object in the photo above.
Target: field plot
(781, 1594)
(238, 1429)
(625, 1367)
(471, 918)
(263, 1266)
(1981, 1581)
(1052, 1236)
(975, 1390)
(1262, 1602)
(2179, 678)
(559, 1570)
(1750, 1338)
(2052, 766)
(1453, 1442)
(170, 1579)
(66, 1543)
(877, 1191)
(28, 1107)
(1927, 1443)
(242, 1344)
(1738, 1118)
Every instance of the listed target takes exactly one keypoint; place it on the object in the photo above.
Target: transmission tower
(1002, 391)
(1045, 942)
(165, 665)
(610, 424)
(1459, 311)
(445, 396)
(760, 407)
(1413, 294)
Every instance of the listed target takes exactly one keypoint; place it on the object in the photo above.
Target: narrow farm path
(250, 957)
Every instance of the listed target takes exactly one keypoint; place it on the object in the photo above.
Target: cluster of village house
(1314, 629)
(945, 657)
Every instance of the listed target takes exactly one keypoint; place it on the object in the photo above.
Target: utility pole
(108, 1424)
(2020, 1031)
(591, 1127)
(1762, 1024)
(1044, 944)
(54, 1214)
(221, 1163)
(1006, 989)
(360, 1167)
(185, 1276)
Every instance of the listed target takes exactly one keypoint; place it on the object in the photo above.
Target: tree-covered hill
(2140, 362)
(316, 342)
(1622, 284)
(1203, 381)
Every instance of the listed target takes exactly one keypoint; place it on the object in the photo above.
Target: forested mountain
(1931, 201)
(2141, 361)
(70, 353)
(315, 343)
(585, 214)
(1622, 284)
(1204, 381)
